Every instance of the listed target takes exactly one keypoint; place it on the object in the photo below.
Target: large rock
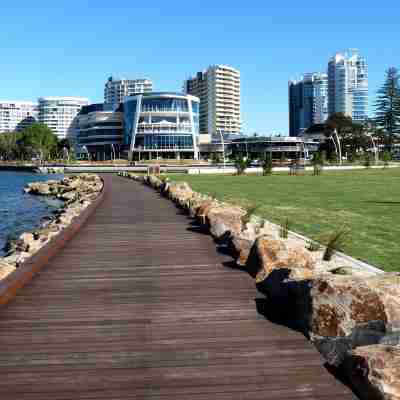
(349, 311)
(155, 182)
(340, 303)
(273, 254)
(244, 241)
(179, 192)
(203, 208)
(5, 269)
(40, 188)
(225, 220)
(374, 371)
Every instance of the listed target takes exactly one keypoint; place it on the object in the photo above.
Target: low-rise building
(256, 147)
(99, 132)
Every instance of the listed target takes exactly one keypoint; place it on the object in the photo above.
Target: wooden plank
(138, 306)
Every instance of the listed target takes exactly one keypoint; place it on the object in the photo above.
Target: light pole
(334, 143)
(87, 152)
(223, 146)
(113, 150)
(339, 146)
(374, 146)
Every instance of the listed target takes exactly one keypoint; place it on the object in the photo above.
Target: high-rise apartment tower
(348, 85)
(116, 89)
(308, 102)
(218, 89)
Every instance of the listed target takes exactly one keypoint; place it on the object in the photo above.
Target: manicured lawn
(366, 201)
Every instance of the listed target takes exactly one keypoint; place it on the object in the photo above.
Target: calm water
(20, 212)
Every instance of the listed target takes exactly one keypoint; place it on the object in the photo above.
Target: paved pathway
(139, 307)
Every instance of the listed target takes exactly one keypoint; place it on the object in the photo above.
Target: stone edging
(34, 264)
(350, 313)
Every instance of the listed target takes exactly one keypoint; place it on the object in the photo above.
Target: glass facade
(164, 105)
(348, 85)
(130, 111)
(161, 122)
(308, 102)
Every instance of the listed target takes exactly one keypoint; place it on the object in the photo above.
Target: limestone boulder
(225, 220)
(39, 188)
(155, 182)
(346, 312)
(341, 303)
(374, 371)
(273, 254)
(69, 196)
(17, 258)
(179, 192)
(5, 269)
(244, 241)
(203, 208)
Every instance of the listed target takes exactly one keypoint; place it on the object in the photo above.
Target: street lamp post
(113, 150)
(87, 151)
(223, 146)
(374, 147)
(334, 143)
(339, 146)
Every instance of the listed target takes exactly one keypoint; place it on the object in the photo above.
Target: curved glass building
(99, 132)
(161, 125)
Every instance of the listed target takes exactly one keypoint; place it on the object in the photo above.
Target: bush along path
(77, 193)
(350, 313)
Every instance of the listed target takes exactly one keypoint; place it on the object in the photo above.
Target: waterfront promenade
(139, 306)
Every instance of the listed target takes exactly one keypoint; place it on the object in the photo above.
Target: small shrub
(267, 164)
(284, 229)
(317, 163)
(250, 210)
(335, 242)
(386, 157)
(241, 164)
(215, 158)
(367, 160)
(313, 246)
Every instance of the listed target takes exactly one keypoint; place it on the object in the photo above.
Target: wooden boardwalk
(138, 307)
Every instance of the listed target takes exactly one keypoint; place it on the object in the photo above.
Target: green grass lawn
(366, 201)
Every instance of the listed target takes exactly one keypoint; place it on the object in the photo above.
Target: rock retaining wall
(350, 313)
(77, 193)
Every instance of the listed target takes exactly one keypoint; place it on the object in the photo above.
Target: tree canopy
(37, 140)
(387, 106)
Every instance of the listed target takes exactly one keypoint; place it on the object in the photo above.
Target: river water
(20, 212)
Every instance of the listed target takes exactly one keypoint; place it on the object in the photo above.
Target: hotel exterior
(218, 89)
(99, 132)
(162, 125)
(116, 89)
(59, 114)
(348, 85)
(17, 115)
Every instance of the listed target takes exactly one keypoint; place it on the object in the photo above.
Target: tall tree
(40, 140)
(9, 149)
(387, 107)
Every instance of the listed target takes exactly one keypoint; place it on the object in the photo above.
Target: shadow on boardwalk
(138, 307)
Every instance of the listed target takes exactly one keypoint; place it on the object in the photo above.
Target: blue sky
(68, 48)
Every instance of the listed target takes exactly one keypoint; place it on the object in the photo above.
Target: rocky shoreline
(350, 313)
(76, 192)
